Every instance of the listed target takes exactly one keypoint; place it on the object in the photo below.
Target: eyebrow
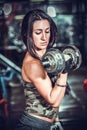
(41, 29)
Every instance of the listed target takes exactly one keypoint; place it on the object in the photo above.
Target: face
(41, 34)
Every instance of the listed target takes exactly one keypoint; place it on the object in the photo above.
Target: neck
(41, 52)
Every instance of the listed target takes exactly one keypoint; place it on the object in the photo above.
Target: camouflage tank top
(36, 104)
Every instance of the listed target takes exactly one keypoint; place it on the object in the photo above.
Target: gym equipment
(73, 53)
(54, 60)
(7, 70)
(6, 62)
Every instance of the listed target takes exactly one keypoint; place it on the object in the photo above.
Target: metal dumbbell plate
(75, 55)
(53, 61)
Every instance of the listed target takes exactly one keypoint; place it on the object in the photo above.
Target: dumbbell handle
(46, 63)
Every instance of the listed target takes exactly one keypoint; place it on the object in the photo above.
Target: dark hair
(27, 27)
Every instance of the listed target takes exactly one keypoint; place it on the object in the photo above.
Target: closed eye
(39, 32)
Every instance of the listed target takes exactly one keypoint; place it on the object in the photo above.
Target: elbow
(53, 103)
(56, 102)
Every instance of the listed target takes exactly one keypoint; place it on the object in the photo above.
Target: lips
(44, 43)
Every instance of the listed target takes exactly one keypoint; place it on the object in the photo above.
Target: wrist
(60, 85)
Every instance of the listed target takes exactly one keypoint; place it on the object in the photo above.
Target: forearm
(57, 92)
(62, 79)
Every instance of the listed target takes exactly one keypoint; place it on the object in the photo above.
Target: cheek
(48, 37)
(35, 39)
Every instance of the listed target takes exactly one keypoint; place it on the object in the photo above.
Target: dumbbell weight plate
(75, 54)
(53, 61)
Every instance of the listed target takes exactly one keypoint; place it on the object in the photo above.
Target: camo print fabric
(36, 104)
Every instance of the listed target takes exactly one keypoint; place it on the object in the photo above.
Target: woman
(41, 96)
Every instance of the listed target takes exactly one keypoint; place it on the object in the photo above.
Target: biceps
(44, 87)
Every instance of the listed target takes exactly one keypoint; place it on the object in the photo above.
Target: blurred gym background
(70, 17)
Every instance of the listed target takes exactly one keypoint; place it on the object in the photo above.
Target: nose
(43, 36)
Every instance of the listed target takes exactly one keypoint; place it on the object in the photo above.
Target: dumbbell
(73, 53)
(54, 60)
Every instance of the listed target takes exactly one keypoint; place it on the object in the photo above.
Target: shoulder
(32, 64)
(29, 62)
(33, 68)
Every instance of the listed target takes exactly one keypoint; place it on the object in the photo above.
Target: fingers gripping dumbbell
(56, 61)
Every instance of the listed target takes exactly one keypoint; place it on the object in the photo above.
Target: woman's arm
(38, 76)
